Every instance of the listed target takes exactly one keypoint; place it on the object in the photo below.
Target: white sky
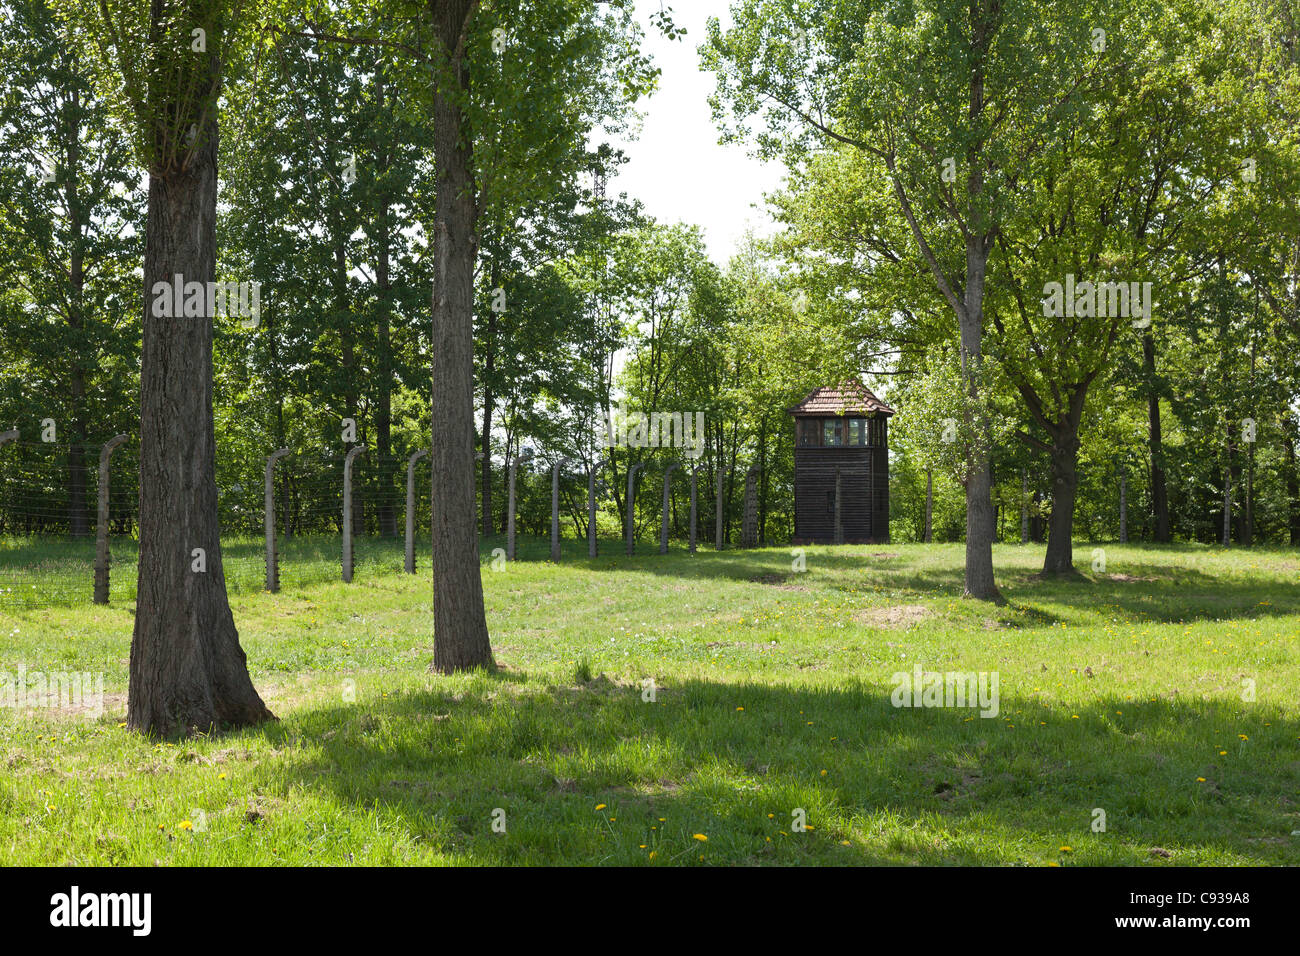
(677, 167)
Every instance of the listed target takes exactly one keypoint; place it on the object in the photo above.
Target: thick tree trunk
(460, 625)
(1065, 484)
(1159, 495)
(188, 672)
(979, 581)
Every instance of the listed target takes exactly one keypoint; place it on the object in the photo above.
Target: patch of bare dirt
(893, 616)
(1130, 577)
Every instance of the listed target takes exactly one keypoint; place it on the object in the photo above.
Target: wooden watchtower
(844, 429)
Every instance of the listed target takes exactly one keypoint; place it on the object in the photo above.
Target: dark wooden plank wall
(814, 512)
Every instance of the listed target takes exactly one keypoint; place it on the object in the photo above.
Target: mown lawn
(1124, 691)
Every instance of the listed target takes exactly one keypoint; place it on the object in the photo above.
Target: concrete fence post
(102, 556)
(630, 532)
(347, 511)
(839, 507)
(749, 528)
(663, 527)
(555, 508)
(695, 508)
(410, 508)
(268, 521)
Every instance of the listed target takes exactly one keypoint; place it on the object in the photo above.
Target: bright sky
(677, 168)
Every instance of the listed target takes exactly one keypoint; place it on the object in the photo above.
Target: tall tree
(67, 202)
(947, 100)
(161, 62)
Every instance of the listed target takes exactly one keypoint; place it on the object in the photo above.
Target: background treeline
(327, 185)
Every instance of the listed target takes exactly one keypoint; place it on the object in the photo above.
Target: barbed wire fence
(50, 555)
(69, 522)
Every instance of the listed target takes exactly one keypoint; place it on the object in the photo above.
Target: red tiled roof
(842, 400)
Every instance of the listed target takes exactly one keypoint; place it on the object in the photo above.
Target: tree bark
(1065, 484)
(188, 671)
(979, 582)
(459, 622)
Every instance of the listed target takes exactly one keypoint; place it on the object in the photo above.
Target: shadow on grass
(1152, 588)
(733, 761)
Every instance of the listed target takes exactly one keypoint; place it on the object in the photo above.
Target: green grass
(772, 693)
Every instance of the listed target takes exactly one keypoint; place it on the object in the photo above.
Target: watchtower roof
(847, 399)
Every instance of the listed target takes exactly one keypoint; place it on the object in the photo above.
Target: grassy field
(1124, 691)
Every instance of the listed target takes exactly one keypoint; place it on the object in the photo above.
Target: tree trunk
(1123, 507)
(1229, 476)
(188, 672)
(929, 505)
(762, 481)
(1065, 483)
(979, 581)
(1159, 495)
(387, 468)
(489, 399)
(348, 352)
(78, 521)
(459, 623)
(1247, 537)
(1024, 506)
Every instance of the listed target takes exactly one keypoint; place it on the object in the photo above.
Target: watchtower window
(832, 431)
